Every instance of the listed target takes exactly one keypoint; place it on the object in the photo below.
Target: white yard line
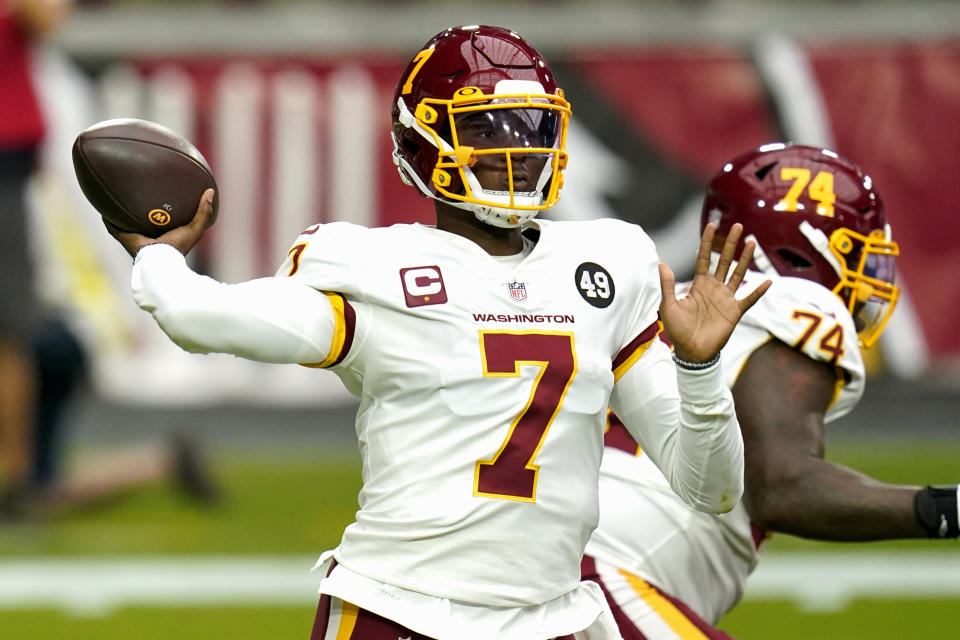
(95, 585)
(828, 581)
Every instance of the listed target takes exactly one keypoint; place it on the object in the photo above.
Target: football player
(485, 351)
(794, 364)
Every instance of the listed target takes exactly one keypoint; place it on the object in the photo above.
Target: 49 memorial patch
(595, 284)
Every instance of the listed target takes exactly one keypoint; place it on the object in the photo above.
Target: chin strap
(500, 217)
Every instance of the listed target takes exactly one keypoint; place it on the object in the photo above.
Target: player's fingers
(186, 237)
(667, 281)
(203, 218)
(729, 249)
(743, 262)
(706, 246)
(753, 296)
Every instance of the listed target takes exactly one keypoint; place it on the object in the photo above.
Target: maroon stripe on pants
(697, 621)
(321, 619)
(588, 571)
(369, 625)
(323, 612)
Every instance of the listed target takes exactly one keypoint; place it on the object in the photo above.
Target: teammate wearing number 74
(794, 365)
(485, 351)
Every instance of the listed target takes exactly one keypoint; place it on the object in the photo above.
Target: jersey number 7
(511, 474)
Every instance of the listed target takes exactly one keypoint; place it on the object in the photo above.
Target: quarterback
(794, 364)
(485, 351)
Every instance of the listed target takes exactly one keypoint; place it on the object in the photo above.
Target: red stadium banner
(299, 140)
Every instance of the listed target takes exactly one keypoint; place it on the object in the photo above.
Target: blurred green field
(862, 620)
(283, 503)
(280, 502)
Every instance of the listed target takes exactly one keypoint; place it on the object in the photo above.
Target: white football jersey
(470, 489)
(484, 386)
(645, 529)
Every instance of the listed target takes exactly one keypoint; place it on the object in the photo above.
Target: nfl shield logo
(518, 291)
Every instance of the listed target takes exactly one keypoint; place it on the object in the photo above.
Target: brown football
(141, 176)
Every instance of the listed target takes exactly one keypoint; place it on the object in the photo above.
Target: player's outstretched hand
(700, 324)
(182, 238)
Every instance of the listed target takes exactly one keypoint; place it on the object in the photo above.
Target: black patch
(595, 284)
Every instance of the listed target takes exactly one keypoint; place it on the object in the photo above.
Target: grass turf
(152, 623)
(289, 503)
(299, 503)
(879, 619)
(861, 619)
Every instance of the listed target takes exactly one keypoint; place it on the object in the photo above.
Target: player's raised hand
(182, 238)
(700, 324)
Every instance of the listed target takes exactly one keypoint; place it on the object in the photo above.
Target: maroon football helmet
(479, 123)
(813, 214)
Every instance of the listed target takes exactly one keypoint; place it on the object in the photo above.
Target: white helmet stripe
(760, 257)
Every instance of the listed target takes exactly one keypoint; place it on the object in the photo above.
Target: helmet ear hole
(795, 260)
(764, 170)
